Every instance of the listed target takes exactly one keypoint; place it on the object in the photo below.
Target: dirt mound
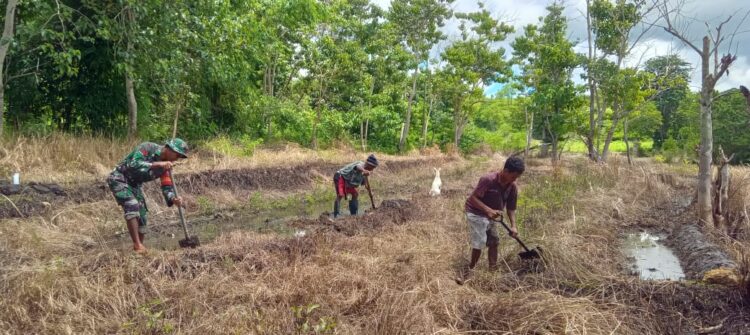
(697, 254)
(278, 178)
(31, 188)
(390, 212)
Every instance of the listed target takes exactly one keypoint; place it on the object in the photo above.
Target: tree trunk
(176, 118)
(610, 135)
(625, 138)
(367, 131)
(132, 107)
(721, 196)
(129, 85)
(458, 132)
(529, 131)
(554, 156)
(363, 127)
(314, 141)
(426, 122)
(174, 126)
(592, 88)
(362, 135)
(600, 107)
(10, 18)
(459, 122)
(407, 121)
(366, 122)
(706, 146)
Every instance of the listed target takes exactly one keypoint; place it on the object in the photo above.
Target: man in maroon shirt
(495, 191)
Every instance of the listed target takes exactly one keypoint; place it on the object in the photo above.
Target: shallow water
(652, 260)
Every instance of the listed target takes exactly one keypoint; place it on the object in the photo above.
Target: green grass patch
(578, 146)
(235, 147)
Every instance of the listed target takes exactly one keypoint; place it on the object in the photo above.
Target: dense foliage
(322, 72)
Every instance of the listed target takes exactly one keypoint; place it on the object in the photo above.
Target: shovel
(528, 253)
(189, 241)
(369, 192)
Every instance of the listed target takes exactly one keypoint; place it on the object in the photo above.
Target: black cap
(372, 160)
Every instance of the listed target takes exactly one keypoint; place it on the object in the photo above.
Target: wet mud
(696, 252)
(36, 199)
(390, 212)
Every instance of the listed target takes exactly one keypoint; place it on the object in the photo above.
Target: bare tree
(710, 75)
(593, 155)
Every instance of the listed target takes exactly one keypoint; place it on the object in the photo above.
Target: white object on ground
(16, 178)
(436, 183)
(300, 233)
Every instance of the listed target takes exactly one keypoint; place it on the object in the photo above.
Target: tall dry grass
(59, 276)
(63, 158)
(60, 157)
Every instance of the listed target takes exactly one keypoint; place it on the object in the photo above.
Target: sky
(655, 42)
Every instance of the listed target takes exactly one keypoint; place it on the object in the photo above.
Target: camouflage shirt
(352, 175)
(136, 169)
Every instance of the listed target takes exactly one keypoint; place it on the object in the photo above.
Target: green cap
(179, 146)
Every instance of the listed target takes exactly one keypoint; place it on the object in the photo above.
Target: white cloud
(520, 13)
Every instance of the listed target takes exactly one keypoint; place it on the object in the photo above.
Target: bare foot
(464, 277)
(139, 248)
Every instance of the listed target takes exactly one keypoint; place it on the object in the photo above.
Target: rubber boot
(492, 257)
(336, 207)
(353, 206)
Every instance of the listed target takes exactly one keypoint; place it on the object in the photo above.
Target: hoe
(528, 253)
(189, 241)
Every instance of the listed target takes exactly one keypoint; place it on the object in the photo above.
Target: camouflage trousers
(130, 198)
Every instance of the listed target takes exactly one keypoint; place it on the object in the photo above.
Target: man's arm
(361, 168)
(510, 207)
(478, 193)
(512, 219)
(138, 160)
(167, 188)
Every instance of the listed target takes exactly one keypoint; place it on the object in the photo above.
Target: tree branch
(671, 29)
(726, 61)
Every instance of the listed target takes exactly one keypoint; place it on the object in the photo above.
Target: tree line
(318, 72)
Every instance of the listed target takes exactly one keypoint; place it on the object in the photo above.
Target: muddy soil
(390, 212)
(715, 308)
(29, 201)
(675, 219)
(697, 253)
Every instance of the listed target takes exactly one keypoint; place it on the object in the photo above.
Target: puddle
(652, 259)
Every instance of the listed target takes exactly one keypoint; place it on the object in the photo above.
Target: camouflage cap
(179, 146)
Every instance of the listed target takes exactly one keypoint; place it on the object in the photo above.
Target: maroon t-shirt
(493, 195)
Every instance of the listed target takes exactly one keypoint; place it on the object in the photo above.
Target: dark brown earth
(29, 200)
(390, 212)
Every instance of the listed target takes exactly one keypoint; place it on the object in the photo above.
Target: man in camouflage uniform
(347, 179)
(147, 162)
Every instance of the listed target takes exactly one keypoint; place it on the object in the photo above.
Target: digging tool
(528, 253)
(369, 192)
(189, 241)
